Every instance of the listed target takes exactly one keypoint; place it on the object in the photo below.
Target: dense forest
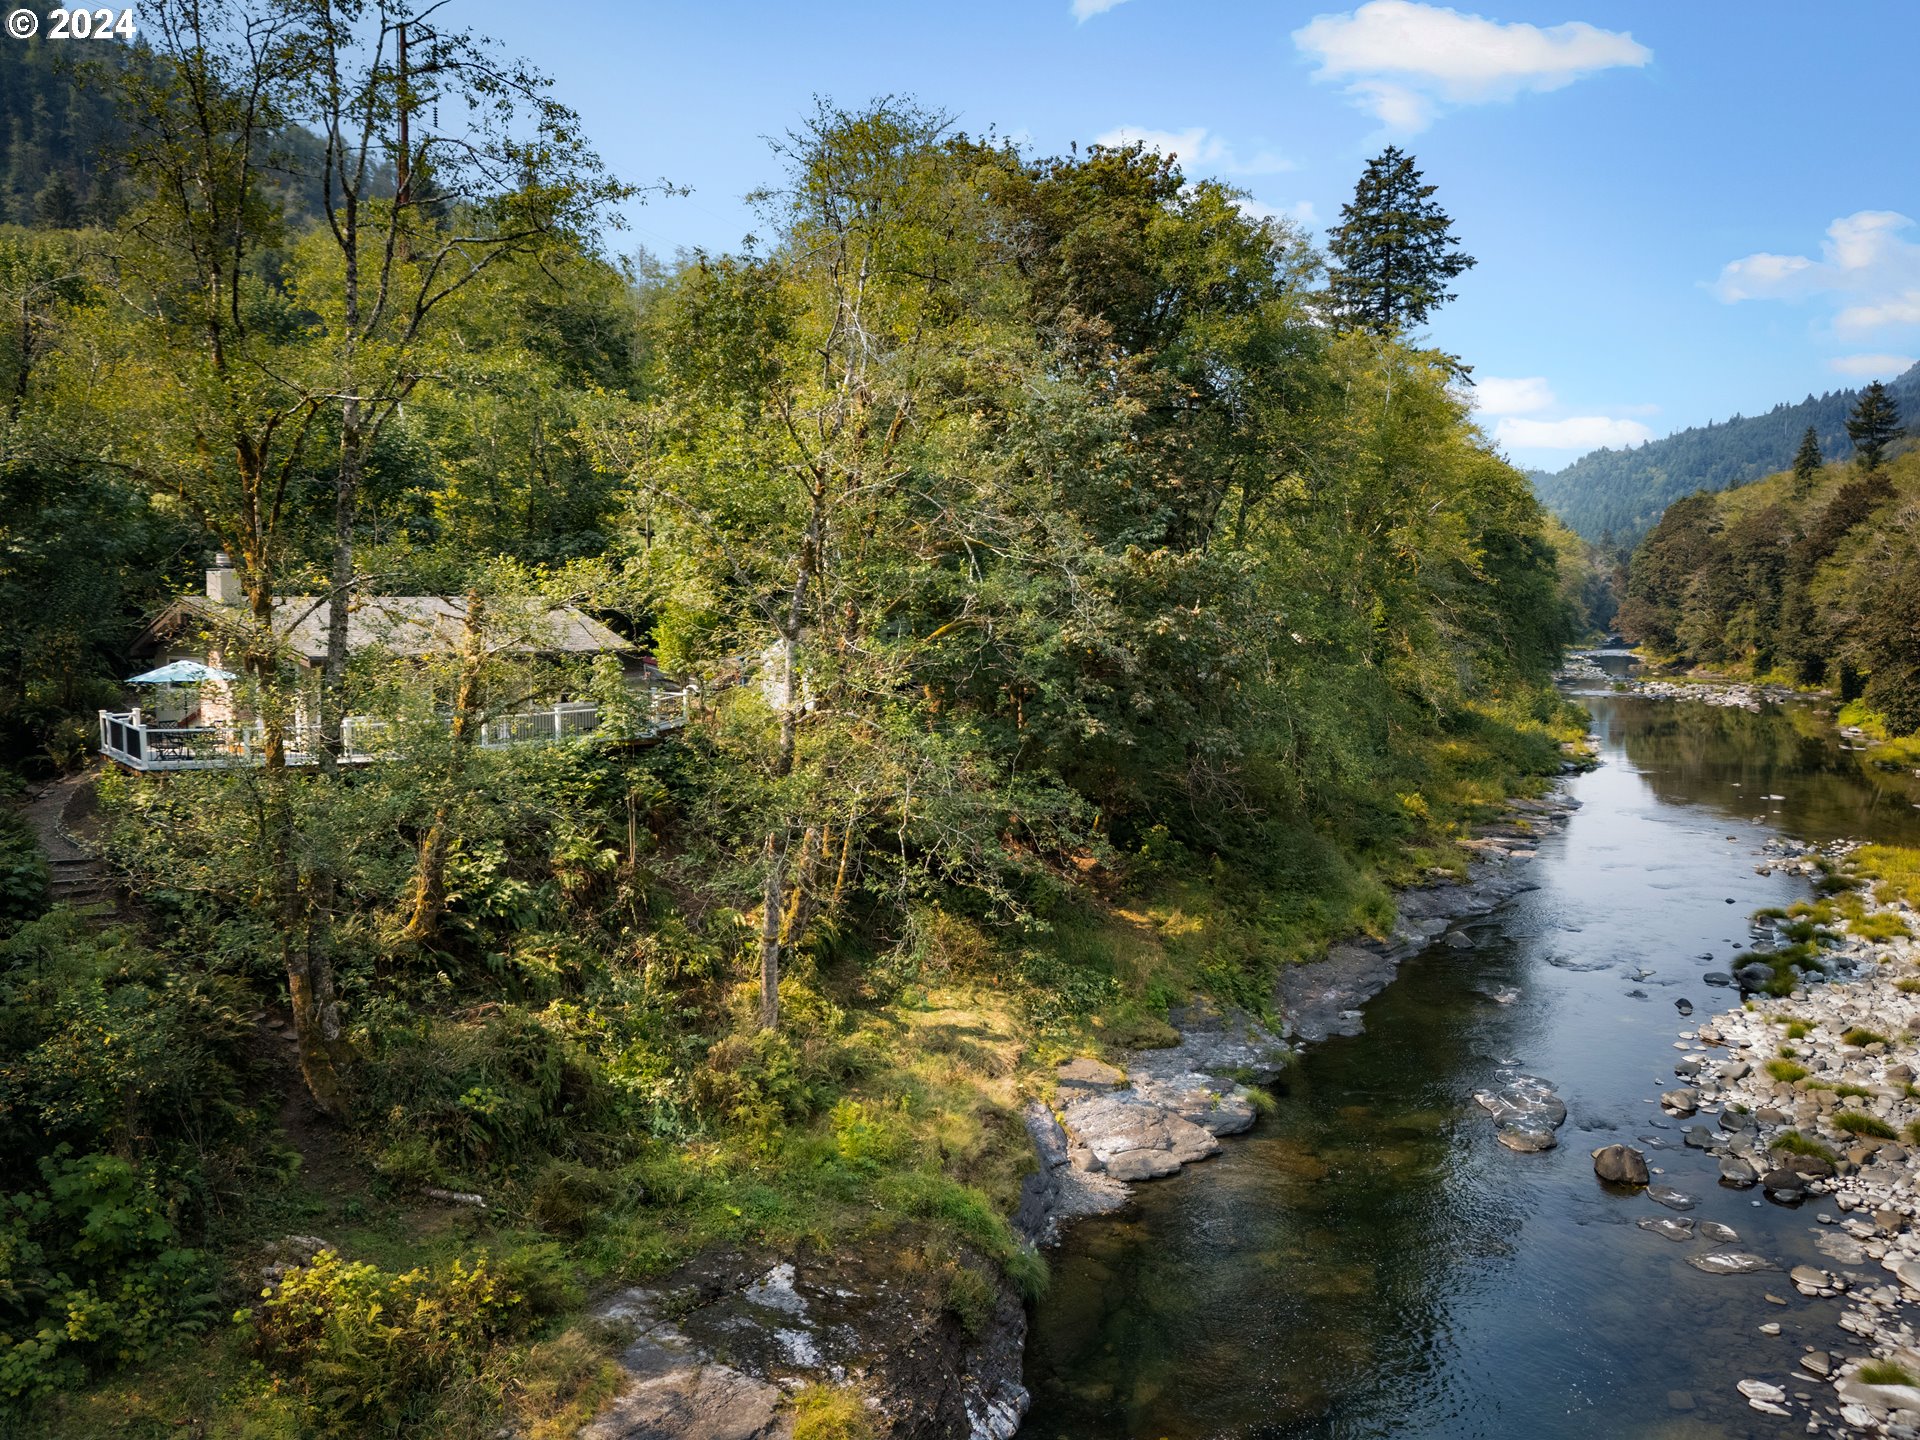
(1622, 493)
(1075, 611)
(1810, 577)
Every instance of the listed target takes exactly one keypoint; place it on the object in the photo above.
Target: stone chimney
(223, 582)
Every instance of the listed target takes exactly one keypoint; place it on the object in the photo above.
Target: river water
(1370, 1262)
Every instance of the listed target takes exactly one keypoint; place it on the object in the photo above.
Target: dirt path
(59, 814)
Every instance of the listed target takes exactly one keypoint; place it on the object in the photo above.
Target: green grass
(1856, 1122)
(1908, 986)
(1885, 1372)
(1794, 1143)
(1786, 1071)
(1851, 1091)
(1798, 1029)
(1894, 869)
(1862, 1037)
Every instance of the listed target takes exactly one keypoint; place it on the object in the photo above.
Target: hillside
(57, 168)
(1626, 491)
(1812, 584)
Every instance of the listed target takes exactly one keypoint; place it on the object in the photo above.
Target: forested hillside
(1624, 492)
(1811, 578)
(1072, 615)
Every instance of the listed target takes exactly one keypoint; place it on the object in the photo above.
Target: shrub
(1855, 1122)
(370, 1350)
(1786, 1071)
(23, 871)
(970, 1297)
(1798, 1030)
(1851, 1091)
(92, 1275)
(566, 1196)
(831, 1412)
(1861, 1036)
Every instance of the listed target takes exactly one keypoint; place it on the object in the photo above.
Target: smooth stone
(1671, 1198)
(1720, 1234)
(1666, 1228)
(1731, 1262)
(1698, 1137)
(1737, 1172)
(1683, 1101)
(1717, 977)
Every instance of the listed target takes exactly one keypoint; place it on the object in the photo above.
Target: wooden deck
(140, 745)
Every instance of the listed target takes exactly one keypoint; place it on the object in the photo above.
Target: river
(1370, 1262)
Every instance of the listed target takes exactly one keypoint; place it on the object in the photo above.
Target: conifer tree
(1394, 249)
(1874, 424)
(1807, 462)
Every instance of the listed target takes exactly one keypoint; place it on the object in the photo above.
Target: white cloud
(1197, 149)
(1301, 212)
(1493, 395)
(1403, 61)
(1870, 367)
(1864, 260)
(1576, 432)
(1085, 10)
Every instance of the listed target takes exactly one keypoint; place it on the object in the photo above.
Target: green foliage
(1394, 248)
(1792, 1142)
(1886, 1372)
(92, 1275)
(1861, 1036)
(1874, 424)
(371, 1351)
(23, 872)
(1855, 1122)
(831, 1412)
(1786, 1071)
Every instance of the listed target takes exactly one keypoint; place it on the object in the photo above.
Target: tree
(1874, 424)
(1394, 249)
(1806, 463)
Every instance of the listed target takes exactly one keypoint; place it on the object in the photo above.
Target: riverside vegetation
(1090, 610)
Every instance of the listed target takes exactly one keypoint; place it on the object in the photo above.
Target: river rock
(1753, 977)
(1134, 1139)
(1718, 978)
(1525, 1113)
(1699, 1137)
(1879, 1398)
(1202, 1101)
(1671, 1198)
(1786, 1186)
(1719, 1234)
(1620, 1165)
(1731, 1262)
(1667, 1227)
(1683, 1101)
(1737, 1172)
(1736, 1121)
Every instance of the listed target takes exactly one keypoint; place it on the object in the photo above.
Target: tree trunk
(770, 914)
(430, 871)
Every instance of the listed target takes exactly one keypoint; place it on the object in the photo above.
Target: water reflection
(1371, 1263)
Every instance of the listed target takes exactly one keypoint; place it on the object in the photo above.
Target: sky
(1681, 211)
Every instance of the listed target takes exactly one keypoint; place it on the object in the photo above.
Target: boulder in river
(1754, 976)
(1719, 1234)
(1737, 1171)
(1717, 977)
(1731, 1262)
(1620, 1165)
(1789, 1187)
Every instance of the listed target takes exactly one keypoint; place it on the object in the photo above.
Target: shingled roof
(402, 624)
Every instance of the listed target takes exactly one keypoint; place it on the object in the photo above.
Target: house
(205, 724)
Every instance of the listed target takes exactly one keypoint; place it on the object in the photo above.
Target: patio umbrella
(182, 672)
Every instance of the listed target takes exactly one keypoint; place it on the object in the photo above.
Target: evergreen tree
(1806, 462)
(1874, 424)
(1394, 248)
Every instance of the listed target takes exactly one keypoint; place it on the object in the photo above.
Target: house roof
(402, 624)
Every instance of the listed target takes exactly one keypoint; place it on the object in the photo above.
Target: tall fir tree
(1807, 462)
(1874, 424)
(1394, 249)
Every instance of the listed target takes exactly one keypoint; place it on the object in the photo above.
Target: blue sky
(1681, 210)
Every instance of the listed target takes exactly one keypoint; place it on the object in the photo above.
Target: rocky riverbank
(1813, 1101)
(1112, 1126)
(717, 1352)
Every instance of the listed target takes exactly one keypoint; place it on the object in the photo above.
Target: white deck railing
(141, 745)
